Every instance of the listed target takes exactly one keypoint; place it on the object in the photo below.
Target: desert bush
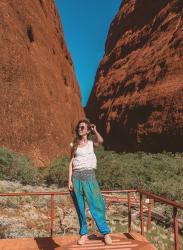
(17, 167)
(160, 173)
(57, 172)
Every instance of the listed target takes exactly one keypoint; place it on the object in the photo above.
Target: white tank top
(85, 157)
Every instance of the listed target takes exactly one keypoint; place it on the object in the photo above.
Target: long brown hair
(77, 136)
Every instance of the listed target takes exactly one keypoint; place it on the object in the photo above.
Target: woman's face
(82, 129)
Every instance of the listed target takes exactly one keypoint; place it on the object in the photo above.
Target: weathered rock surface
(40, 100)
(137, 98)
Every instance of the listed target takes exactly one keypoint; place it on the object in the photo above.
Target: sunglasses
(81, 127)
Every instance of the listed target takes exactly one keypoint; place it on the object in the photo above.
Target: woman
(82, 181)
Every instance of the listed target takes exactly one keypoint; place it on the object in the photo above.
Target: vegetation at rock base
(17, 167)
(160, 173)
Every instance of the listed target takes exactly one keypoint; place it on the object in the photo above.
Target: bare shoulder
(95, 143)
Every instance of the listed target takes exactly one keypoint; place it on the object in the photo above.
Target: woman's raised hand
(93, 127)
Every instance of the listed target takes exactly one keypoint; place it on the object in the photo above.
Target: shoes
(82, 239)
(107, 239)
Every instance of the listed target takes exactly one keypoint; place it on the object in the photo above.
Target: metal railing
(129, 200)
(142, 193)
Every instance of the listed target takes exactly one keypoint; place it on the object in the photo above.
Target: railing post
(149, 215)
(176, 228)
(52, 214)
(141, 214)
(129, 213)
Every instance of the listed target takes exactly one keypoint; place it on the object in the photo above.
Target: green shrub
(17, 167)
(57, 172)
(161, 174)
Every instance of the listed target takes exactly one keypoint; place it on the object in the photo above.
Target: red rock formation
(40, 100)
(137, 98)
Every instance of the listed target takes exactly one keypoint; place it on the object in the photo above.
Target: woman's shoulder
(71, 144)
(91, 143)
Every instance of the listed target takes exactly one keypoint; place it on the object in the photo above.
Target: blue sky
(86, 24)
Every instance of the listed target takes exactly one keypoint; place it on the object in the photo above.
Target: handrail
(34, 193)
(155, 197)
(119, 191)
(161, 199)
(142, 193)
(175, 206)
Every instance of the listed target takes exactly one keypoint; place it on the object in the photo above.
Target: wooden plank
(141, 238)
(121, 241)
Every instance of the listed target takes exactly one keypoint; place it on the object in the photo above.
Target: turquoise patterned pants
(91, 190)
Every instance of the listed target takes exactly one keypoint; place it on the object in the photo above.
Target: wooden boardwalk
(123, 241)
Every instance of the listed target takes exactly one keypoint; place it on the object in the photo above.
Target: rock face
(137, 98)
(40, 100)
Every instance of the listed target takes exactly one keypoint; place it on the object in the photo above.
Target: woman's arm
(100, 140)
(70, 185)
(70, 169)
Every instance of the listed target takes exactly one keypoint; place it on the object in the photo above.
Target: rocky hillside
(40, 100)
(137, 98)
